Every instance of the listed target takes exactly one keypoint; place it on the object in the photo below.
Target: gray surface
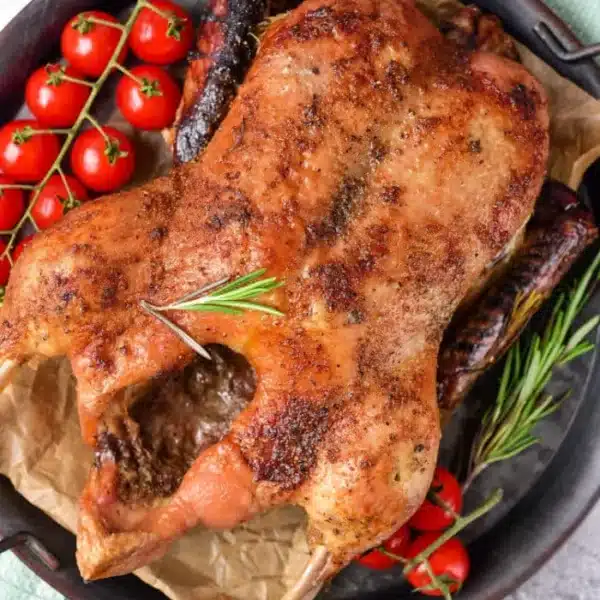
(574, 571)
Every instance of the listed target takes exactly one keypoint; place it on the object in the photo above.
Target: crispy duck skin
(377, 168)
(472, 29)
(559, 231)
(224, 49)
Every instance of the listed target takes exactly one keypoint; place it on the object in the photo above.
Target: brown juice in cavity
(177, 416)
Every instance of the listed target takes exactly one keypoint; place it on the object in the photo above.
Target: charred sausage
(224, 49)
(560, 229)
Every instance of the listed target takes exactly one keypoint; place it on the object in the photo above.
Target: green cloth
(17, 582)
(582, 15)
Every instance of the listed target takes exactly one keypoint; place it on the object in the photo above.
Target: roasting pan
(549, 490)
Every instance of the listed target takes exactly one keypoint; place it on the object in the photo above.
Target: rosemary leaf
(583, 348)
(520, 404)
(512, 451)
(215, 308)
(230, 298)
(180, 333)
(232, 307)
(241, 281)
(517, 359)
(582, 332)
(203, 290)
(220, 297)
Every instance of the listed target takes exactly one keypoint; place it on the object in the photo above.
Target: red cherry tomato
(4, 265)
(12, 205)
(432, 516)
(162, 41)
(450, 562)
(375, 559)
(397, 544)
(151, 105)
(54, 101)
(101, 165)
(53, 200)
(89, 46)
(24, 155)
(21, 246)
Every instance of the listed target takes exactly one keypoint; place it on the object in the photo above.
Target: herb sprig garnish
(521, 403)
(233, 298)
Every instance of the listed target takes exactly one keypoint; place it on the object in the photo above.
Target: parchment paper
(42, 453)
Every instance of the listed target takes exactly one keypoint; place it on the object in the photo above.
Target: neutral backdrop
(572, 574)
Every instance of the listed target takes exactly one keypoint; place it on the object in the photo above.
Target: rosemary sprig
(233, 298)
(230, 298)
(506, 428)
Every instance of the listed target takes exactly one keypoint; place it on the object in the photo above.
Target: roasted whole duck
(374, 166)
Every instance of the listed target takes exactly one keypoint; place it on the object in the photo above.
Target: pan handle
(34, 545)
(544, 33)
(555, 40)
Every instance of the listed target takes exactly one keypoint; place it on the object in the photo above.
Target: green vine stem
(437, 500)
(65, 181)
(22, 135)
(56, 77)
(175, 22)
(456, 528)
(16, 186)
(99, 127)
(436, 583)
(71, 133)
(99, 21)
(423, 557)
(129, 74)
(165, 15)
(148, 87)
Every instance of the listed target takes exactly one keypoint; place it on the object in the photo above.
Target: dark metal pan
(552, 488)
(536, 26)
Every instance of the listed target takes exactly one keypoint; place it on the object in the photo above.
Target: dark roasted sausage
(223, 52)
(557, 234)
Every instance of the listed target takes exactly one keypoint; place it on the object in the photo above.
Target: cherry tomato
(24, 155)
(89, 46)
(53, 200)
(375, 559)
(54, 101)
(151, 105)
(431, 516)
(162, 41)
(450, 562)
(21, 246)
(103, 165)
(397, 543)
(12, 205)
(4, 265)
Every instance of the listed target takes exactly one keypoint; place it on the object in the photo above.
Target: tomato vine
(71, 133)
